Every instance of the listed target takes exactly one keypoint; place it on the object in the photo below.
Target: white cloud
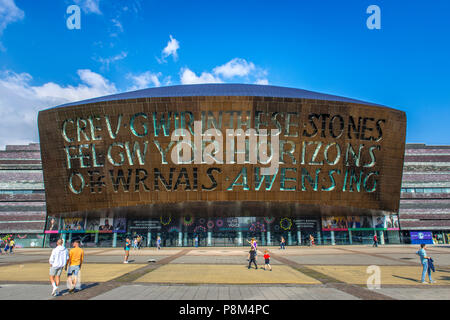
(20, 101)
(107, 61)
(262, 81)
(170, 50)
(132, 6)
(168, 80)
(9, 13)
(235, 68)
(117, 24)
(187, 76)
(144, 80)
(89, 6)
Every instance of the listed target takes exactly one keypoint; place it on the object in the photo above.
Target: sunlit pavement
(299, 273)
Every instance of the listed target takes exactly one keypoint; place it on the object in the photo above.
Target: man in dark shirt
(252, 258)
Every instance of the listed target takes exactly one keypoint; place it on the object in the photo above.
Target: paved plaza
(299, 273)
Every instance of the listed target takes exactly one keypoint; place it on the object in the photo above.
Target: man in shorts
(58, 259)
(76, 257)
(12, 244)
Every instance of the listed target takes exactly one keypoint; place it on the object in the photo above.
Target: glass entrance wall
(341, 237)
(23, 240)
(225, 239)
(392, 237)
(439, 237)
(362, 237)
(326, 237)
(225, 232)
(305, 237)
(405, 237)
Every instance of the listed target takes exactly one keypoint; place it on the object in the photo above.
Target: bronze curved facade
(337, 156)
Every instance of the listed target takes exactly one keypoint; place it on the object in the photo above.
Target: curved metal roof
(220, 90)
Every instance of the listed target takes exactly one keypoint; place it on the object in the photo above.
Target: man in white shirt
(58, 260)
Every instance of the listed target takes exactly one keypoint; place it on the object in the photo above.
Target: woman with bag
(424, 259)
(127, 248)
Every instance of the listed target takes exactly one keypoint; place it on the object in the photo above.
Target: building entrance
(222, 232)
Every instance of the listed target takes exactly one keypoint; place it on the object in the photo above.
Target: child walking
(267, 260)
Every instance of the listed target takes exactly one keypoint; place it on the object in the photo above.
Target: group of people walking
(137, 242)
(9, 245)
(136, 245)
(426, 261)
(283, 242)
(253, 254)
(70, 261)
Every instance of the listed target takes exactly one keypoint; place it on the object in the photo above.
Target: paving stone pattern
(316, 273)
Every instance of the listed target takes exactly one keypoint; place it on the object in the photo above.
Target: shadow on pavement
(83, 287)
(405, 278)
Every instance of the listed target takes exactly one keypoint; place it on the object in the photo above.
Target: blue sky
(322, 46)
